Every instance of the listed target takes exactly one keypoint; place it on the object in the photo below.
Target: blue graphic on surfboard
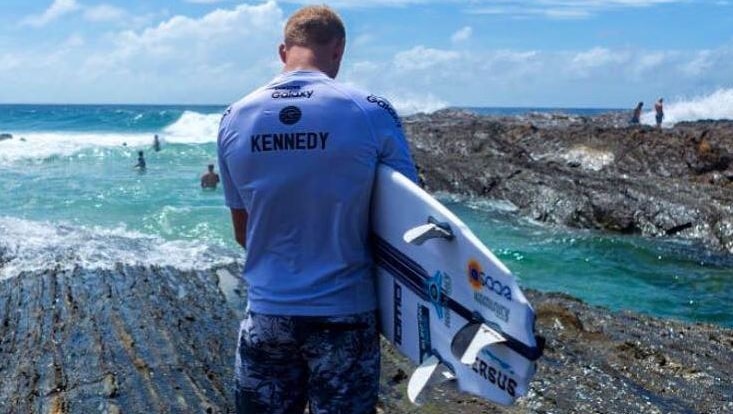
(445, 301)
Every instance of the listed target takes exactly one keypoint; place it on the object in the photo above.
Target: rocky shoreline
(151, 339)
(587, 172)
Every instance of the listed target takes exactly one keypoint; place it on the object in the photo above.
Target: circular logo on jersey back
(290, 115)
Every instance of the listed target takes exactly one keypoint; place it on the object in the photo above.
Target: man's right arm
(231, 193)
(239, 222)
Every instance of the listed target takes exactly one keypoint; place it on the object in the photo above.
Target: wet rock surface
(128, 340)
(587, 172)
(158, 340)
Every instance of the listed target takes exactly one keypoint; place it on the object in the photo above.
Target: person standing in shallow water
(210, 179)
(636, 117)
(156, 143)
(297, 159)
(659, 109)
(140, 161)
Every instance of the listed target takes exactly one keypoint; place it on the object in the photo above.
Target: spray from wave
(193, 128)
(717, 105)
(28, 246)
(190, 128)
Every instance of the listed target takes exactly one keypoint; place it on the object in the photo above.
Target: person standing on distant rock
(210, 179)
(659, 109)
(636, 117)
(298, 158)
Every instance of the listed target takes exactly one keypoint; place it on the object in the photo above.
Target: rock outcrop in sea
(587, 172)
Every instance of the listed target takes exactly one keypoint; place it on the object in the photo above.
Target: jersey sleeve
(392, 146)
(232, 197)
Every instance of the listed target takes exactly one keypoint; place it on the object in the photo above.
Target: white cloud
(598, 58)
(217, 57)
(187, 56)
(592, 77)
(56, 10)
(595, 57)
(104, 13)
(558, 9)
(462, 34)
(700, 64)
(421, 57)
(363, 39)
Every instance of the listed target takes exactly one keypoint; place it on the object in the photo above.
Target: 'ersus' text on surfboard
(495, 377)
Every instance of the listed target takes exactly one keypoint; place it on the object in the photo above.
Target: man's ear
(283, 52)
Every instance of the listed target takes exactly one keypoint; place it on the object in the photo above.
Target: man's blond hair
(313, 25)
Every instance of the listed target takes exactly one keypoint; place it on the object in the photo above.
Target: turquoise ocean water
(68, 191)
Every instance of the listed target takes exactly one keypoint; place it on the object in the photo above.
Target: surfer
(637, 114)
(140, 161)
(210, 179)
(156, 143)
(659, 109)
(299, 198)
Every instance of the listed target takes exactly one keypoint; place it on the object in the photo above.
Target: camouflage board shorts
(330, 364)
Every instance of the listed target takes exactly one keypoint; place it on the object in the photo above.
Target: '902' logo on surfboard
(478, 280)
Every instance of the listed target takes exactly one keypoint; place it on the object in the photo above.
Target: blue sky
(422, 54)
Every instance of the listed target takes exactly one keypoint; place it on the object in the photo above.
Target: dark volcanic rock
(158, 340)
(601, 362)
(128, 340)
(587, 172)
(5, 136)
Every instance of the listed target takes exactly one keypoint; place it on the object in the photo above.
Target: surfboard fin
(484, 336)
(420, 378)
(432, 230)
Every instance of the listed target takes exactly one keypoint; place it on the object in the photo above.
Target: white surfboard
(445, 300)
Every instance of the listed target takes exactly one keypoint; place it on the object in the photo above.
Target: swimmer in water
(140, 161)
(156, 143)
(210, 179)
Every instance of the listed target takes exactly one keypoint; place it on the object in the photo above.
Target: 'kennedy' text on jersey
(294, 141)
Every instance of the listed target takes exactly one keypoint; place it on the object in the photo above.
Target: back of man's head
(313, 26)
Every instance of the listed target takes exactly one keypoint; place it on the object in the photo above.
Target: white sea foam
(34, 246)
(193, 128)
(43, 145)
(717, 105)
(190, 128)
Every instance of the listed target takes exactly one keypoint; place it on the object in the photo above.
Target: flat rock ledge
(587, 172)
(160, 340)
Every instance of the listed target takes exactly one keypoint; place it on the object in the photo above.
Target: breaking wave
(190, 128)
(717, 105)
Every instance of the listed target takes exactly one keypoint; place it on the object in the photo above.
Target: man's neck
(302, 58)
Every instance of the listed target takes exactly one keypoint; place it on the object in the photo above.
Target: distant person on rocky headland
(156, 143)
(210, 179)
(140, 161)
(635, 118)
(659, 109)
